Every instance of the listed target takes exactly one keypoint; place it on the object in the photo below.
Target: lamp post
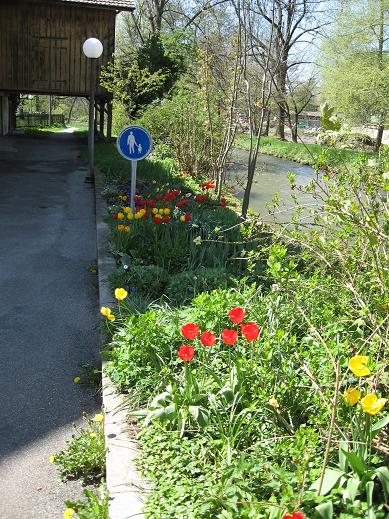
(93, 49)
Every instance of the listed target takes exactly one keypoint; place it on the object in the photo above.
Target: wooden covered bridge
(41, 51)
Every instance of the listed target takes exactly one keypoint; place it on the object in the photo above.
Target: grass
(302, 153)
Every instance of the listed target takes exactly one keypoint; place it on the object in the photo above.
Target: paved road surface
(48, 317)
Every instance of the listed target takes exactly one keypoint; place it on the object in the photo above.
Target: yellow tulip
(130, 216)
(107, 313)
(182, 218)
(274, 403)
(358, 366)
(154, 210)
(98, 418)
(138, 216)
(127, 210)
(120, 216)
(166, 210)
(120, 294)
(160, 211)
(120, 227)
(371, 404)
(127, 228)
(68, 513)
(351, 396)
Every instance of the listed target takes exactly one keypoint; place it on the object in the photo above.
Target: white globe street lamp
(93, 49)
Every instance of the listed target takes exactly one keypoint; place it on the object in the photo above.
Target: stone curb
(125, 486)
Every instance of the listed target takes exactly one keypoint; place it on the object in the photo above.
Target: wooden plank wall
(41, 46)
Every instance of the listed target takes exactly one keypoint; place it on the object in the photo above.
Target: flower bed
(259, 396)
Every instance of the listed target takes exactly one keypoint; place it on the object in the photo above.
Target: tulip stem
(331, 428)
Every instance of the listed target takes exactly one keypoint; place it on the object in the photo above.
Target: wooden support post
(102, 117)
(109, 120)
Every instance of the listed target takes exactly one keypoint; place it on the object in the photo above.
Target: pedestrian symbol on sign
(134, 143)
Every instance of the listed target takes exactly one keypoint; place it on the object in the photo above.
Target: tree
(293, 25)
(356, 64)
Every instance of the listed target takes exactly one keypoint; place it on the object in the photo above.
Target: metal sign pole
(133, 184)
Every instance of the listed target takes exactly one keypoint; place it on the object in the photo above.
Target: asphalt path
(48, 317)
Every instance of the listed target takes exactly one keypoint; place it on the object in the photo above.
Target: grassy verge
(303, 153)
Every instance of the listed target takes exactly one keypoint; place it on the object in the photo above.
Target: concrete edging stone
(125, 485)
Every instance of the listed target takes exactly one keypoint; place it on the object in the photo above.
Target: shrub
(183, 287)
(94, 506)
(147, 280)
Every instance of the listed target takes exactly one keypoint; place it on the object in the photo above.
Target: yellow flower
(107, 313)
(154, 210)
(126, 210)
(371, 404)
(138, 216)
(351, 396)
(127, 228)
(76, 380)
(166, 210)
(120, 294)
(52, 458)
(120, 227)
(68, 513)
(98, 418)
(358, 366)
(160, 211)
(130, 216)
(274, 403)
(120, 216)
(182, 218)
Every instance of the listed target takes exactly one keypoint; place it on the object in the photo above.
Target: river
(271, 176)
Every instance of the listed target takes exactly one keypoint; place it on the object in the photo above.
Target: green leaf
(369, 498)
(330, 480)
(376, 428)
(357, 463)
(343, 448)
(325, 510)
(351, 488)
(383, 475)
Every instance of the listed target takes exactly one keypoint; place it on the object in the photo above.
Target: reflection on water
(271, 176)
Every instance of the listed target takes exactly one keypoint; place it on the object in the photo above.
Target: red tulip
(157, 219)
(294, 515)
(166, 219)
(188, 217)
(229, 337)
(223, 202)
(237, 315)
(115, 216)
(208, 339)
(190, 331)
(185, 352)
(250, 331)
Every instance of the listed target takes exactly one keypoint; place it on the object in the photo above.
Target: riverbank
(303, 153)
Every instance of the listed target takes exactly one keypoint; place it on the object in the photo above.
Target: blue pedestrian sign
(134, 143)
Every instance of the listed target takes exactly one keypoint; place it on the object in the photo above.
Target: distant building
(41, 50)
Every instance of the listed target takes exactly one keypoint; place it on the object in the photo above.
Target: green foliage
(182, 123)
(184, 286)
(94, 506)
(147, 280)
(327, 119)
(355, 70)
(84, 456)
(141, 76)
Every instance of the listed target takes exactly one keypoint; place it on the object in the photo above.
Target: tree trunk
(267, 127)
(380, 133)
